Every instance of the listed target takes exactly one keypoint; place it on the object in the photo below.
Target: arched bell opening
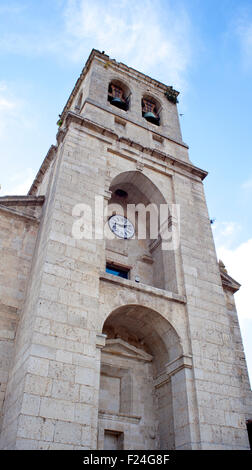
(133, 403)
(151, 110)
(140, 251)
(119, 95)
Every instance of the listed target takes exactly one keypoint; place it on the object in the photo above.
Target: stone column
(185, 416)
(100, 343)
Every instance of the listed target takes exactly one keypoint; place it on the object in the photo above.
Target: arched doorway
(136, 409)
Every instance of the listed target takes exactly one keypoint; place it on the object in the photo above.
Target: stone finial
(222, 266)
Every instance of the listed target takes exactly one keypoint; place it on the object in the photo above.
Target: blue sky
(201, 47)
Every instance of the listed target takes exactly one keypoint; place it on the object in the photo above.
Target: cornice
(153, 291)
(128, 119)
(228, 282)
(182, 362)
(82, 121)
(121, 417)
(22, 201)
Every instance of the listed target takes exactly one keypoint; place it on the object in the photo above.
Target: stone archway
(145, 255)
(138, 395)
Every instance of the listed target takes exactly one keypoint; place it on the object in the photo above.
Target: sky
(203, 48)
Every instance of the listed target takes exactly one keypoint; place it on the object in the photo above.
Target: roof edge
(44, 166)
(22, 200)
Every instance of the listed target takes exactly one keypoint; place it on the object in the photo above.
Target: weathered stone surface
(89, 359)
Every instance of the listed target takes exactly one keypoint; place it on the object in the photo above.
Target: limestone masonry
(115, 342)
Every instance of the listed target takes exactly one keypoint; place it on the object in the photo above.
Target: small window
(117, 271)
(150, 111)
(118, 95)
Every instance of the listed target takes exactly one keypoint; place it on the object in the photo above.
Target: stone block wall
(17, 241)
(219, 389)
(52, 395)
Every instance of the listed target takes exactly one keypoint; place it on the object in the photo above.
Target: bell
(149, 116)
(118, 102)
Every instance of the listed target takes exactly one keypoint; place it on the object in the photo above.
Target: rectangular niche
(113, 440)
(115, 390)
(110, 393)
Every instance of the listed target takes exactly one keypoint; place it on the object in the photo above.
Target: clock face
(121, 226)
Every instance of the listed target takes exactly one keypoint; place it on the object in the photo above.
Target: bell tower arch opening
(119, 94)
(142, 254)
(136, 394)
(151, 110)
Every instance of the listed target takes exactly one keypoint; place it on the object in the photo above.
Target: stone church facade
(117, 342)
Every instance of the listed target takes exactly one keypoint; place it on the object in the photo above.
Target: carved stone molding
(120, 347)
(171, 368)
(106, 415)
(100, 340)
(139, 166)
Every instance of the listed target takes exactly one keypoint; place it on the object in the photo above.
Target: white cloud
(246, 330)
(15, 113)
(238, 262)
(11, 109)
(133, 32)
(7, 106)
(239, 265)
(19, 183)
(225, 233)
(5, 103)
(148, 36)
(247, 185)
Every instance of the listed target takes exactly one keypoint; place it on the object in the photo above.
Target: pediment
(229, 283)
(120, 347)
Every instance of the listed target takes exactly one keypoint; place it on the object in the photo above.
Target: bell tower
(128, 336)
